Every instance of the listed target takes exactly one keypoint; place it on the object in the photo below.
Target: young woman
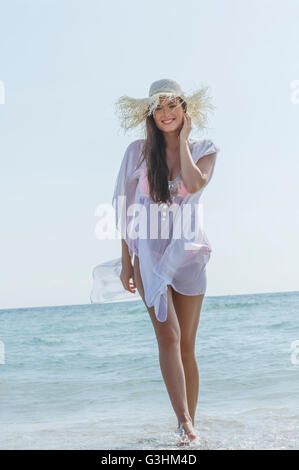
(167, 170)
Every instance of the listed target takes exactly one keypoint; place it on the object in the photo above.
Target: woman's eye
(170, 106)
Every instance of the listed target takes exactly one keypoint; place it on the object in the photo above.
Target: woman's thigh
(168, 330)
(188, 308)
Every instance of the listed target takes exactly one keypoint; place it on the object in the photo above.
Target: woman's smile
(168, 121)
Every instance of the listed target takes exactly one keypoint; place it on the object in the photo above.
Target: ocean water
(88, 376)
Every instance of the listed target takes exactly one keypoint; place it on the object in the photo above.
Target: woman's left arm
(195, 176)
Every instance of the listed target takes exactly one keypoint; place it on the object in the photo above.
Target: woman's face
(168, 116)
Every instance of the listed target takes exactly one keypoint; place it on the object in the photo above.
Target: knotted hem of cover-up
(159, 303)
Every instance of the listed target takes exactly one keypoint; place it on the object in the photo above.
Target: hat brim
(134, 111)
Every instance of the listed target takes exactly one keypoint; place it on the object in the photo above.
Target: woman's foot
(186, 431)
(189, 421)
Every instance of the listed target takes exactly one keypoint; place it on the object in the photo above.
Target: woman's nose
(166, 115)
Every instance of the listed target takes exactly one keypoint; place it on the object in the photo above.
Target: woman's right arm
(121, 188)
(127, 272)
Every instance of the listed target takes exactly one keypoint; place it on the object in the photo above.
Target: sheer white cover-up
(173, 249)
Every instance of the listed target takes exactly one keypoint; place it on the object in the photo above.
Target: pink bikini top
(144, 185)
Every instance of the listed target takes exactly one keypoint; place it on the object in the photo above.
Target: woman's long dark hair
(155, 155)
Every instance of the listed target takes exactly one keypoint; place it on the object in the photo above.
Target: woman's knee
(187, 352)
(168, 337)
(167, 334)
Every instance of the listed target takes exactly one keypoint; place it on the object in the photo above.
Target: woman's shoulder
(203, 147)
(136, 144)
(202, 142)
(134, 152)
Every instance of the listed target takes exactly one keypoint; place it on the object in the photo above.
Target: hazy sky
(64, 63)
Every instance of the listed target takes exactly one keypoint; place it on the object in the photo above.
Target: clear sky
(64, 63)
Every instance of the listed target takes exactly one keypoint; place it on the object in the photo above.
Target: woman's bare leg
(168, 337)
(188, 310)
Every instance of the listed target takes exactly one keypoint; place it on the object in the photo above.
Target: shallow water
(88, 377)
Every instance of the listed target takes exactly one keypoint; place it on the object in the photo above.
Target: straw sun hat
(132, 112)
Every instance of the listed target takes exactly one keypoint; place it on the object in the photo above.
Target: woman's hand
(127, 273)
(186, 128)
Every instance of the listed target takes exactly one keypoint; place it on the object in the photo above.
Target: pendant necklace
(173, 189)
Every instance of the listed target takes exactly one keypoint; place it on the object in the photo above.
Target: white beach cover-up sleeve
(161, 260)
(107, 286)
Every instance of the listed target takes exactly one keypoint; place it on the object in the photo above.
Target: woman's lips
(168, 121)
